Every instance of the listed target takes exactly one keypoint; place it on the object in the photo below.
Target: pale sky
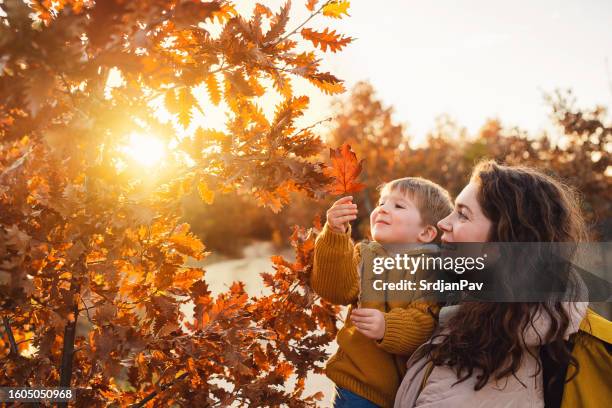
(472, 59)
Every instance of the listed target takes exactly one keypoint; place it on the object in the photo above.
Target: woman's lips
(382, 222)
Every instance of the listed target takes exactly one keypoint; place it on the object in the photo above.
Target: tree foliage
(93, 252)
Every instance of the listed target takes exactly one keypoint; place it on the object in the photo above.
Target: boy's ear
(428, 234)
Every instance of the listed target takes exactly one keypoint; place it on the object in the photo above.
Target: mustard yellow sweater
(369, 368)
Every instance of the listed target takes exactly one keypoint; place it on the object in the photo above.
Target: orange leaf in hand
(345, 170)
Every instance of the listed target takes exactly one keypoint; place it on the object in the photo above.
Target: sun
(146, 150)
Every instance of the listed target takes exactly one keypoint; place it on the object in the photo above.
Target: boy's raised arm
(335, 277)
(407, 328)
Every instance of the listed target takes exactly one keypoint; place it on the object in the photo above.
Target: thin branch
(154, 394)
(11, 337)
(311, 126)
(283, 38)
(221, 68)
(75, 105)
(86, 309)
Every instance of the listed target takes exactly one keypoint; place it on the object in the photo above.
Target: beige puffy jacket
(439, 391)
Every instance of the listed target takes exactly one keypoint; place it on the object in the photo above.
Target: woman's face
(467, 222)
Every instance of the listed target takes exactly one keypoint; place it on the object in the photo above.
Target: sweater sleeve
(407, 328)
(334, 276)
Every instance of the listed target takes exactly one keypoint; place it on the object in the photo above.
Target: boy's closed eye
(397, 205)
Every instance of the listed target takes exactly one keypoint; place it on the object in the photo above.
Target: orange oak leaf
(226, 12)
(327, 82)
(214, 91)
(311, 4)
(277, 27)
(326, 39)
(263, 10)
(345, 170)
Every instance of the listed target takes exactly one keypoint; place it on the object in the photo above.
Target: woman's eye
(399, 206)
(462, 215)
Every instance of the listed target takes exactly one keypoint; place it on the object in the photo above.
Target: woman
(487, 354)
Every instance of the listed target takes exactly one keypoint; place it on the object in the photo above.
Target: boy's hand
(370, 322)
(340, 213)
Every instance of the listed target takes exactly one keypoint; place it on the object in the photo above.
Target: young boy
(375, 343)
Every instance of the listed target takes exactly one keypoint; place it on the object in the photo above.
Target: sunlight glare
(145, 149)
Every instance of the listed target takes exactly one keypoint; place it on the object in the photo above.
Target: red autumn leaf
(345, 170)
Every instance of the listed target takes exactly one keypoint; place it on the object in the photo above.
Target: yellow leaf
(206, 194)
(336, 9)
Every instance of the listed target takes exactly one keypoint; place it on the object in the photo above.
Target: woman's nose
(444, 224)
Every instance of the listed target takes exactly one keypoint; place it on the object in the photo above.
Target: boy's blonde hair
(433, 202)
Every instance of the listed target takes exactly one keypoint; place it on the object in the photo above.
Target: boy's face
(396, 219)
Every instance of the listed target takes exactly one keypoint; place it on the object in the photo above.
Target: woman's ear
(428, 234)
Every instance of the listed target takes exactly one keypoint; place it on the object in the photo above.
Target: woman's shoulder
(540, 322)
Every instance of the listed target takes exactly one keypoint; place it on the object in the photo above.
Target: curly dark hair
(523, 205)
